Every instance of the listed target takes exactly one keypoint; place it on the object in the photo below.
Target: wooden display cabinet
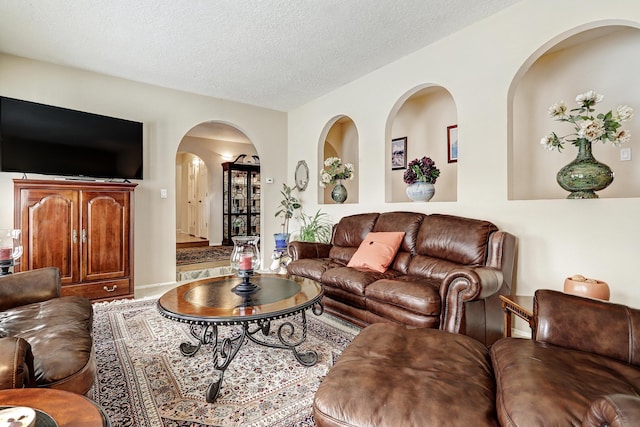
(83, 228)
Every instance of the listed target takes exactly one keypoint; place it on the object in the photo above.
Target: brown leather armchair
(45, 338)
(581, 369)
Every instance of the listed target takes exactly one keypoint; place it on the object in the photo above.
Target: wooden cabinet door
(105, 219)
(49, 224)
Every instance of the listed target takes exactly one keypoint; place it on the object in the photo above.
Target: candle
(5, 254)
(245, 262)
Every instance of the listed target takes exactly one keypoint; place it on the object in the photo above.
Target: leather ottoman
(392, 374)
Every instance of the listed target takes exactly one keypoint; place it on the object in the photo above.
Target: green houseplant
(287, 207)
(316, 228)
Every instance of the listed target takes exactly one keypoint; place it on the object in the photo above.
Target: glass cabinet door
(241, 200)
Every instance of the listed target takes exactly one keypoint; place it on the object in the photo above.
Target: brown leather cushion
(412, 293)
(409, 222)
(613, 329)
(59, 332)
(351, 230)
(311, 268)
(542, 384)
(354, 280)
(390, 375)
(456, 239)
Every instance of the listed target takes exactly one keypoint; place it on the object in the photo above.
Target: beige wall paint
(478, 66)
(167, 116)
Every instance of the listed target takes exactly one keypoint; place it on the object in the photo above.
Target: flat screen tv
(43, 139)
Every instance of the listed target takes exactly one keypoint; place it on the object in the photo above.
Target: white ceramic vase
(421, 191)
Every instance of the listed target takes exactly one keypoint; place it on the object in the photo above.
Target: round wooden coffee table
(209, 303)
(67, 409)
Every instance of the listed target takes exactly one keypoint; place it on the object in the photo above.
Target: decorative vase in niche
(421, 191)
(339, 193)
(585, 175)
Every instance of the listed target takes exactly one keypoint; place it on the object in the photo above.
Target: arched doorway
(199, 184)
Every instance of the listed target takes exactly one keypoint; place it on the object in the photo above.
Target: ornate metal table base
(225, 349)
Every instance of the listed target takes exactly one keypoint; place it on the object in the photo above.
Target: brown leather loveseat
(447, 274)
(45, 339)
(581, 369)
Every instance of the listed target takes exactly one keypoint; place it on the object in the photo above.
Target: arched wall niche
(422, 115)
(339, 138)
(214, 142)
(600, 56)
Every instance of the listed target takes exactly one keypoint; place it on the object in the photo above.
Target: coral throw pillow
(377, 251)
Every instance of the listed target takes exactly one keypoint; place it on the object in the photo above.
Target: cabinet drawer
(99, 290)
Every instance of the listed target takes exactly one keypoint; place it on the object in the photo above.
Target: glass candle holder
(10, 249)
(245, 255)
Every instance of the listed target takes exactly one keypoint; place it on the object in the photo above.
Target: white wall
(478, 65)
(167, 116)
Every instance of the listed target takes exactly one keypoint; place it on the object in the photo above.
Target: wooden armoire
(84, 228)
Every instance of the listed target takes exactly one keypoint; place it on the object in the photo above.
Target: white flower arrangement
(601, 127)
(334, 170)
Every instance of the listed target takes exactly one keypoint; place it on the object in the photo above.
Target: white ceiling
(277, 54)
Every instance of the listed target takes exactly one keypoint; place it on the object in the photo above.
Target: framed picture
(452, 143)
(399, 153)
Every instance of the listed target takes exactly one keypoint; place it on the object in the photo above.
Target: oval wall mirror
(302, 175)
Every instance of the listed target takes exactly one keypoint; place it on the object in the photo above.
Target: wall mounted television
(43, 139)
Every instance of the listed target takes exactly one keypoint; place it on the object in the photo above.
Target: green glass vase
(339, 193)
(585, 175)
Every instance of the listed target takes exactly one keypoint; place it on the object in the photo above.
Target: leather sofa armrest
(16, 363)
(614, 410)
(464, 285)
(299, 250)
(29, 287)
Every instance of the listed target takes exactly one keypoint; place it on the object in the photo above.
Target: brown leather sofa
(581, 369)
(447, 274)
(45, 339)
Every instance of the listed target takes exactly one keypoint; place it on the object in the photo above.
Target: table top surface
(66, 408)
(213, 301)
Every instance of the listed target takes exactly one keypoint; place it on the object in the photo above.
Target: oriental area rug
(144, 381)
(202, 254)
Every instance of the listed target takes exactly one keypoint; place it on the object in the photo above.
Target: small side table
(66, 408)
(522, 307)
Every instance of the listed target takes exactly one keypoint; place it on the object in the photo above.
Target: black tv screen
(43, 139)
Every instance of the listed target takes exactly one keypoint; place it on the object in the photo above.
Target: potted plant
(586, 175)
(421, 175)
(316, 228)
(335, 171)
(288, 205)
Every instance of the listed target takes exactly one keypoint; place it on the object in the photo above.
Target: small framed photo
(399, 153)
(452, 143)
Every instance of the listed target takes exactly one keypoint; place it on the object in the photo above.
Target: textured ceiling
(277, 54)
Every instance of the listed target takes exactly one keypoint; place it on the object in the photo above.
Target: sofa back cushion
(349, 233)
(590, 325)
(407, 222)
(456, 239)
